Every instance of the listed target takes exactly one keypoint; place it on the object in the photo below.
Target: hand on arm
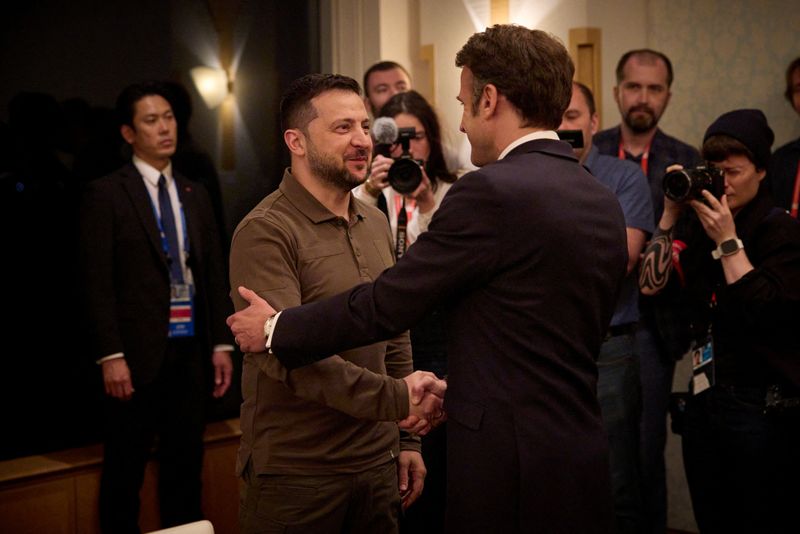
(223, 370)
(411, 476)
(117, 379)
(247, 325)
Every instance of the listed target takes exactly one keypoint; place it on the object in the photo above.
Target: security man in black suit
(527, 253)
(156, 304)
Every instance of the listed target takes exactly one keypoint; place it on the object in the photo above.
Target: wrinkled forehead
(336, 104)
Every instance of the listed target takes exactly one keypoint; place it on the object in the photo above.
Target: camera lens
(677, 185)
(688, 184)
(405, 175)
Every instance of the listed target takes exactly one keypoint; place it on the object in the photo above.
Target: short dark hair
(127, 99)
(296, 108)
(380, 67)
(647, 55)
(531, 68)
(413, 103)
(587, 95)
(793, 66)
(719, 147)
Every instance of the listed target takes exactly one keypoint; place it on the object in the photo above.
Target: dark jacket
(754, 322)
(126, 277)
(527, 254)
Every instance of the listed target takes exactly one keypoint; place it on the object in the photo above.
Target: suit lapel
(134, 186)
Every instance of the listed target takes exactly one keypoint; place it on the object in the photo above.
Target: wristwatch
(727, 247)
(269, 326)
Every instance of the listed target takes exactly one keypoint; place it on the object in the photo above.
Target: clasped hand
(426, 398)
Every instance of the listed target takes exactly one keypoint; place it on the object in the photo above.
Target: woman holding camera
(411, 110)
(738, 261)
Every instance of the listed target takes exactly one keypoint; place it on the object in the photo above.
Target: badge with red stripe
(181, 320)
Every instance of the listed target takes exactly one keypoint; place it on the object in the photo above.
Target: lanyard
(163, 236)
(645, 155)
(409, 205)
(403, 216)
(796, 195)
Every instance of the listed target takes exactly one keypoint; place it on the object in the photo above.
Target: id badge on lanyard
(702, 365)
(181, 294)
(181, 310)
(702, 354)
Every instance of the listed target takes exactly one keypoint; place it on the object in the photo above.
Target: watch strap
(727, 248)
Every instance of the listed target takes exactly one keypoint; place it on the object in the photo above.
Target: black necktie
(170, 232)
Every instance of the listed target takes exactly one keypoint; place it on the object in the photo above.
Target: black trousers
(170, 414)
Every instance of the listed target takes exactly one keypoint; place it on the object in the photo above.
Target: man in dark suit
(156, 302)
(527, 254)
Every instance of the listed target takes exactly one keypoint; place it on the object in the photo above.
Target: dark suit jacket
(127, 277)
(528, 254)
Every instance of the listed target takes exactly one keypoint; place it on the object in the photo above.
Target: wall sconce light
(212, 84)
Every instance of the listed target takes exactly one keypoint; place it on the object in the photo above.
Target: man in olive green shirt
(320, 447)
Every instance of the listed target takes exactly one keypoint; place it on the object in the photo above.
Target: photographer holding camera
(740, 275)
(413, 182)
(410, 110)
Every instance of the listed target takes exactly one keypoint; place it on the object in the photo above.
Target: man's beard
(332, 170)
(642, 122)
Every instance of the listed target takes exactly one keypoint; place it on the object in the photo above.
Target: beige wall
(727, 55)
(397, 33)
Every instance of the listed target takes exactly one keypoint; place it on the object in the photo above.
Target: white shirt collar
(150, 173)
(543, 134)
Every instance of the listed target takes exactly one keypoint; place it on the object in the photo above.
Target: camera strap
(401, 237)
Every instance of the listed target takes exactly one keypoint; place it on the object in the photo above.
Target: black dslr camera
(687, 184)
(405, 174)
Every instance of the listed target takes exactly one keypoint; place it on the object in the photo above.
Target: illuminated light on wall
(212, 84)
(479, 11)
(531, 13)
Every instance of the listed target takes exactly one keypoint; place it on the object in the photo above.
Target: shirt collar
(310, 206)
(150, 173)
(543, 134)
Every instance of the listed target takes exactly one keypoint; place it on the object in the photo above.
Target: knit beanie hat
(749, 127)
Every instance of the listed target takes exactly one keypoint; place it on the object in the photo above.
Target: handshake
(425, 397)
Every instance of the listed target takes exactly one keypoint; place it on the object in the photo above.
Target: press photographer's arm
(657, 257)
